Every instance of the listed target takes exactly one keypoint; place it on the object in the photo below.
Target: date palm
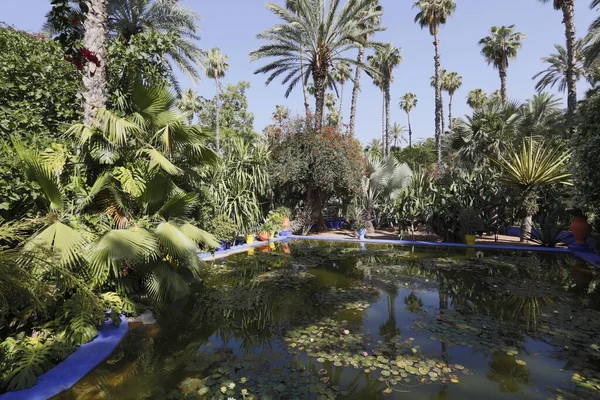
(443, 73)
(592, 40)
(94, 74)
(557, 71)
(567, 7)
(191, 103)
(216, 65)
(477, 99)
(375, 11)
(292, 6)
(433, 14)
(342, 73)
(383, 62)
(499, 48)
(452, 82)
(407, 103)
(317, 36)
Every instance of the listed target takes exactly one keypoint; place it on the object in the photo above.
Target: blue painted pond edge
(76, 366)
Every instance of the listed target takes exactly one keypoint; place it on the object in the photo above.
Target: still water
(310, 320)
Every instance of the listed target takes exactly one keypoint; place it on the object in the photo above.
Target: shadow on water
(341, 321)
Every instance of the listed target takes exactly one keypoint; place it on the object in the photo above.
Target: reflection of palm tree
(389, 329)
(510, 375)
(412, 303)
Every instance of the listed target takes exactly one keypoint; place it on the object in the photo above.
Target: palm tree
(317, 36)
(94, 74)
(452, 83)
(384, 61)
(499, 48)
(407, 103)
(443, 73)
(191, 103)
(341, 74)
(397, 133)
(476, 99)
(216, 66)
(556, 73)
(292, 6)
(568, 10)
(131, 17)
(374, 11)
(432, 14)
(592, 40)
(542, 116)
(530, 167)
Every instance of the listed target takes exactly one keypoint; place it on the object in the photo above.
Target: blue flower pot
(361, 233)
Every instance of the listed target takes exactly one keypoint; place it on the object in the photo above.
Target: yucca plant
(529, 167)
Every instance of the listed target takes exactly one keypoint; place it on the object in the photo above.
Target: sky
(232, 25)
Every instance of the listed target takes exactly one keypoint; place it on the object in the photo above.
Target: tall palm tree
(216, 66)
(190, 102)
(452, 82)
(476, 99)
(397, 133)
(432, 14)
(386, 58)
(342, 74)
(568, 10)
(407, 103)
(94, 74)
(292, 5)
(375, 11)
(317, 36)
(592, 40)
(499, 48)
(443, 73)
(557, 71)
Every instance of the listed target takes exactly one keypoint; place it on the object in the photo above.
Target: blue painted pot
(361, 233)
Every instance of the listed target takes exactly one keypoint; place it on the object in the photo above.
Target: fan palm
(451, 83)
(342, 74)
(190, 103)
(397, 133)
(384, 61)
(531, 166)
(94, 74)
(568, 10)
(542, 116)
(433, 14)
(499, 48)
(477, 99)
(374, 12)
(558, 64)
(216, 66)
(407, 103)
(316, 36)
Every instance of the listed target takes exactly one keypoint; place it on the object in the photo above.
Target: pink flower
(365, 354)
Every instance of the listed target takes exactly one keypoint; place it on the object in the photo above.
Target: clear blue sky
(232, 25)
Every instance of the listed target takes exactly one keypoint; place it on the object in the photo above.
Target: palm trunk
(382, 123)
(450, 113)
(387, 120)
(569, 21)
(355, 90)
(304, 90)
(218, 109)
(438, 101)
(341, 102)
(526, 226)
(409, 131)
(442, 118)
(320, 80)
(502, 72)
(94, 76)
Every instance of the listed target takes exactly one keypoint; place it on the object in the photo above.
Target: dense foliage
(586, 145)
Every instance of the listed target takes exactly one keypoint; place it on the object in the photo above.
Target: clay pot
(285, 223)
(264, 236)
(286, 249)
(581, 230)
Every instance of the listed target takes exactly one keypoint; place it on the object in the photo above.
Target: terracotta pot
(581, 230)
(264, 236)
(285, 223)
(286, 249)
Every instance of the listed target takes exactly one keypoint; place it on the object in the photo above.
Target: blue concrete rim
(70, 371)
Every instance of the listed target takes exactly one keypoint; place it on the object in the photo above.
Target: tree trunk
(569, 21)
(94, 76)
(304, 89)
(450, 113)
(526, 226)
(320, 81)
(341, 103)
(438, 101)
(387, 120)
(218, 107)
(502, 72)
(382, 124)
(355, 90)
(409, 131)
(442, 117)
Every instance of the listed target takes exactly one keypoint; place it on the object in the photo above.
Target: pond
(313, 320)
